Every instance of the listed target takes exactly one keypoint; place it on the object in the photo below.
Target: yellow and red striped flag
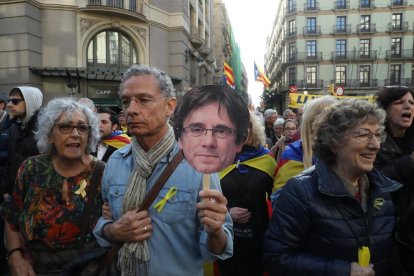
(260, 76)
(228, 74)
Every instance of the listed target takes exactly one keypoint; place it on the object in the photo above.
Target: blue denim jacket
(178, 242)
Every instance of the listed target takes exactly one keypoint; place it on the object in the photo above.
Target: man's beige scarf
(134, 257)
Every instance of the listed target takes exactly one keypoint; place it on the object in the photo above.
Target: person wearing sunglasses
(396, 160)
(45, 210)
(23, 105)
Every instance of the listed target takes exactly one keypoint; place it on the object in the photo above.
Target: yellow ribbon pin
(160, 204)
(81, 191)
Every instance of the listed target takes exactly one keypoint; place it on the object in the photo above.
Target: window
(341, 24)
(311, 72)
(341, 48)
(365, 47)
(340, 75)
(292, 76)
(396, 21)
(397, 2)
(311, 48)
(395, 74)
(364, 75)
(292, 27)
(341, 4)
(115, 3)
(396, 46)
(365, 3)
(111, 49)
(311, 24)
(365, 23)
(292, 51)
(291, 6)
(133, 5)
(311, 4)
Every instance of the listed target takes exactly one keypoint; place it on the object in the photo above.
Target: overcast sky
(252, 22)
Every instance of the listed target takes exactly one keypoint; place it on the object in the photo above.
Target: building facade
(356, 45)
(81, 48)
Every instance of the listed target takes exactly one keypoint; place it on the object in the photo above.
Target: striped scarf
(134, 257)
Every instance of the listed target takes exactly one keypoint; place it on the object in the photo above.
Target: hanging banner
(297, 100)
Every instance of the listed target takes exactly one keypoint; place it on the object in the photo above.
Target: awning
(106, 74)
(106, 102)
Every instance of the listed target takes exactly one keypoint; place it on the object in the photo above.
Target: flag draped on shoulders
(228, 74)
(259, 159)
(290, 164)
(117, 139)
(260, 76)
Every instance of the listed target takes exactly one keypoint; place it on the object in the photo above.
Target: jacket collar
(329, 183)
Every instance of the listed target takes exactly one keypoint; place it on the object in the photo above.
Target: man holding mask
(175, 237)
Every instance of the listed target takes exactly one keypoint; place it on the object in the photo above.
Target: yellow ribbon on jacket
(160, 204)
(265, 163)
(81, 191)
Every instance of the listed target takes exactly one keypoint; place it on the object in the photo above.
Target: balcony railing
(304, 56)
(403, 27)
(357, 83)
(366, 4)
(341, 5)
(366, 55)
(366, 28)
(338, 30)
(132, 5)
(291, 9)
(399, 81)
(316, 30)
(311, 7)
(291, 32)
(403, 54)
(343, 55)
(398, 3)
(312, 84)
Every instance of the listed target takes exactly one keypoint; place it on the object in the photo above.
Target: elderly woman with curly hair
(246, 185)
(341, 206)
(44, 213)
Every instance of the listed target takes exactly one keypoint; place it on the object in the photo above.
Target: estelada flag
(260, 76)
(229, 75)
(117, 139)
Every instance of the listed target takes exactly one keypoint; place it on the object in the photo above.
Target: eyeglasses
(365, 136)
(220, 132)
(15, 101)
(143, 101)
(67, 128)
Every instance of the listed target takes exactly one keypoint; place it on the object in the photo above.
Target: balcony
(368, 55)
(398, 28)
(399, 81)
(343, 56)
(195, 37)
(366, 4)
(399, 55)
(315, 84)
(292, 9)
(342, 30)
(366, 28)
(310, 31)
(303, 56)
(398, 3)
(291, 33)
(311, 7)
(134, 6)
(341, 5)
(357, 83)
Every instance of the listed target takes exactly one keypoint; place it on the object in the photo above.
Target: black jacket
(396, 163)
(21, 146)
(310, 230)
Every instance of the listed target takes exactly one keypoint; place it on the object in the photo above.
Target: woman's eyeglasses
(15, 101)
(67, 128)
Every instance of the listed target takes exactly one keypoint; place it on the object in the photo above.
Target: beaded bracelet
(14, 250)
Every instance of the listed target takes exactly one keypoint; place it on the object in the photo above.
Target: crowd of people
(324, 189)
